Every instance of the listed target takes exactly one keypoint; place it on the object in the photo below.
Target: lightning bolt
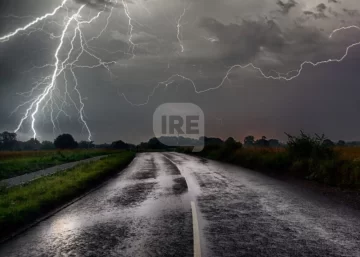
(37, 20)
(211, 39)
(50, 94)
(179, 34)
(291, 75)
(49, 87)
(343, 28)
(131, 29)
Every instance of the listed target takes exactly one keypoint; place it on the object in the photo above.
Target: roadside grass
(22, 205)
(303, 157)
(336, 171)
(13, 164)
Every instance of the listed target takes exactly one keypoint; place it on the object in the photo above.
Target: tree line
(9, 142)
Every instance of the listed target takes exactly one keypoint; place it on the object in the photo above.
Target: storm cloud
(277, 36)
(286, 6)
(98, 4)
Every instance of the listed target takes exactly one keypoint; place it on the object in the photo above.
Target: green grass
(22, 205)
(13, 165)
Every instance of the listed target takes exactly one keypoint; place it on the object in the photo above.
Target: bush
(309, 147)
(305, 156)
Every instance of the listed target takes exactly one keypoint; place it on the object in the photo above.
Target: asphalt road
(177, 205)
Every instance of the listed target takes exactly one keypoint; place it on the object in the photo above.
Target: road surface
(169, 204)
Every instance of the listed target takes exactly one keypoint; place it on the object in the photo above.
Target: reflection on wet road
(146, 211)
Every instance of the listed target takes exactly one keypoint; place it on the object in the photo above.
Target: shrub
(309, 147)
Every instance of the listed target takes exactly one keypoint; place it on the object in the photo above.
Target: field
(348, 153)
(23, 204)
(13, 164)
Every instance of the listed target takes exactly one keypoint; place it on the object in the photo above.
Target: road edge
(52, 213)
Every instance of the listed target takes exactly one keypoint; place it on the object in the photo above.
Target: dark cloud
(319, 12)
(322, 99)
(242, 43)
(352, 13)
(286, 7)
(251, 41)
(321, 7)
(98, 4)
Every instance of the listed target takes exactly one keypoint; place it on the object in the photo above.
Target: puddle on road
(134, 194)
(171, 235)
(170, 167)
(148, 171)
(180, 186)
(103, 239)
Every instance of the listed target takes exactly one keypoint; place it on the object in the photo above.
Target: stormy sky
(215, 34)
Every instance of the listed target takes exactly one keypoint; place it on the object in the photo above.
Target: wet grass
(341, 170)
(335, 171)
(22, 205)
(14, 164)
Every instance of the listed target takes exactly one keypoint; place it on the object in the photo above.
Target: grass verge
(333, 172)
(305, 156)
(14, 164)
(22, 205)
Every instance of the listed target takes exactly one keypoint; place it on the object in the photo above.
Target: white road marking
(197, 248)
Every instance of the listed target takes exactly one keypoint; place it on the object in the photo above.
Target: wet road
(176, 205)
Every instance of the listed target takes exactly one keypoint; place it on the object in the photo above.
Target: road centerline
(197, 247)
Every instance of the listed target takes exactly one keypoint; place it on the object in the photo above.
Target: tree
(249, 140)
(231, 144)
(262, 142)
(274, 143)
(86, 144)
(328, 142)
(119, 145)
(65, 141)
(103, 146)
(212, 141)
(32, 144)
(155, 143)
(7, 140)
(47, 145)
(341, 143)
(230, 141)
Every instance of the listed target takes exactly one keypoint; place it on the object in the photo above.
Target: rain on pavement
(146, 211)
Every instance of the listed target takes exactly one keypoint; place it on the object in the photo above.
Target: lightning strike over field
(49, 88)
